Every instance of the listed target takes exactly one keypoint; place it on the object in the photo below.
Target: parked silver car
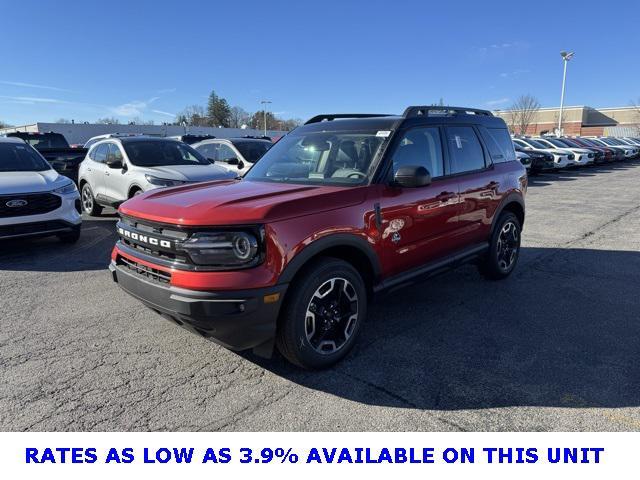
(116, 169)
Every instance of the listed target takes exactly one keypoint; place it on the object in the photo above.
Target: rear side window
(420, 146)
(100, 153)
(115, 151)
(208, 150)
(225, 153)
(499, 144)
(465, 150)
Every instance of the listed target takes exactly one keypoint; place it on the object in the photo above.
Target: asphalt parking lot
(554, 347)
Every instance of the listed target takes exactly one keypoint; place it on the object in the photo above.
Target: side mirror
(232, 161)
(113, 163)
(211, 160)
(240, 165)
(412, 176)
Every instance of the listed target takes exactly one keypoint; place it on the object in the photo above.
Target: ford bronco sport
(339, 209)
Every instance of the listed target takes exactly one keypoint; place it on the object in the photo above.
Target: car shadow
(48, 254)
(563, 331)
(542, 179)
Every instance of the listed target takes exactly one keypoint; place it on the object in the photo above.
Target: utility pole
(264, 112)
(566, 56)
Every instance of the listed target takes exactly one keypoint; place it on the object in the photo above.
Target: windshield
(589, 142)
(21, 158)
(536, 144)
(46, 140)
(321, 158)
(571, 143)
(154, 153)
(556, 142)
(252, 150)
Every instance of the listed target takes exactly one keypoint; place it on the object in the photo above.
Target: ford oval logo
(16, 203)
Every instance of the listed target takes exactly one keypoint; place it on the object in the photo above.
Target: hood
(191, 173)
(581, 150)
(234, 202)
(558, 151)
(30, 182)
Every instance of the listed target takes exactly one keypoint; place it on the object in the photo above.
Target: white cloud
(32, 100)
(498, 101)
(33, 85)
(515, 73)
(160, 112)
(134, 108)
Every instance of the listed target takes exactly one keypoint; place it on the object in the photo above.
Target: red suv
(338, 210)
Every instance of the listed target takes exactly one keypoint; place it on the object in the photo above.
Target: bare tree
(108, 121)
(239, 117)
(523, 112)
(193, 116)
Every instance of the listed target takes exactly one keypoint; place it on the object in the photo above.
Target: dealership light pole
(566, 56)
(264, 112)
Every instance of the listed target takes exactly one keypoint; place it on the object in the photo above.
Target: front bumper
(63, 219)
(238, 320)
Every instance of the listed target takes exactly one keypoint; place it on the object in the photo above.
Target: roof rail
(327, 117)
(442, 110)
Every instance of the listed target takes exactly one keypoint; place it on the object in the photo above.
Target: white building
(79, 133)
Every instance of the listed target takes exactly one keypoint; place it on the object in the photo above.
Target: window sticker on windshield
(458, 141)
(383, 133)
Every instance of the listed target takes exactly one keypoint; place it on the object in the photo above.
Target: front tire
(323, 314)
(504, 248)
(89, 204)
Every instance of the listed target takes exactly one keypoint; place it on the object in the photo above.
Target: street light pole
(566, 56)
(264, 112)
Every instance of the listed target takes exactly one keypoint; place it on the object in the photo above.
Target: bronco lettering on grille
(140, 238)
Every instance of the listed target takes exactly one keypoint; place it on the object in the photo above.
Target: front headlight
(225, 249)
(163, 182)
(67, 188)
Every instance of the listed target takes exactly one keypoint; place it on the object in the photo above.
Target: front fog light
(226, 249)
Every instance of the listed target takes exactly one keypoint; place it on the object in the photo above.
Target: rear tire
(89, 204)
(70, 237)
(504, 248)
(323, 314)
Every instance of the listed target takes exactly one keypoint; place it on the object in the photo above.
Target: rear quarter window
(499, 144)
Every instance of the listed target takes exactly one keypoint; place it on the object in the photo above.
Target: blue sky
(86, 60)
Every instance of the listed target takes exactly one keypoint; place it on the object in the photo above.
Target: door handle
(107, 173)
(446, 196)
(493, 185)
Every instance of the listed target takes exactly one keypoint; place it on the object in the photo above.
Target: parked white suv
(583, 156)
(35, 200)
(235, 154)
(116, 169)
(561, 158)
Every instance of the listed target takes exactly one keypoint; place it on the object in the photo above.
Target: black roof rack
(442, 110)
(333, 116)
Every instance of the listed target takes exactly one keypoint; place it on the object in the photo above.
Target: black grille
(157, 231)
(169, 256)
(29, 204)
(149, 273)
(32, 228)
